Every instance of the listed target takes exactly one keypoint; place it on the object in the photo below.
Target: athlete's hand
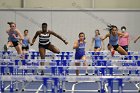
(31, 44)
(66, 42)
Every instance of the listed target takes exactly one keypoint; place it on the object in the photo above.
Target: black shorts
(114, 46)
(44, 46)
(25, 47)
(96, 47)
(125, 48)
(15, 43)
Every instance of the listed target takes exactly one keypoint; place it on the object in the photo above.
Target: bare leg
(42, 52)
(85, 63)
(9, 44)
(121, 51)
(77, 71)
(6, 46)
(53, 49)
(18, 49)
(111, 49)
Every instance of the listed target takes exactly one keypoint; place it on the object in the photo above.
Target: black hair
(83, 34)
(123, 27)
(98, 31)
(44, 24)
(9, 23)
(114, 27)
(110, 27)
(25, 30)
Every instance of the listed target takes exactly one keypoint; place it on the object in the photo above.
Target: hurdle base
(64, 90)
(23, 89)
(8, 73)
(16, 89)
(100, 90)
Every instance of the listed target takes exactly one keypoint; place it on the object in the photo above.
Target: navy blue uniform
(80, 51)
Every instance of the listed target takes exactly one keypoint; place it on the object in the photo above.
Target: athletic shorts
(114, 46)
(79, 55)
(15, 43)
(44, 46)
(125, 48)
(25, 47)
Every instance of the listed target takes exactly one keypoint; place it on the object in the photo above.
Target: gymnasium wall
(68, 23)
(68, 3)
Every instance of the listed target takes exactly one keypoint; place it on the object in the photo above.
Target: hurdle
(59, 72)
